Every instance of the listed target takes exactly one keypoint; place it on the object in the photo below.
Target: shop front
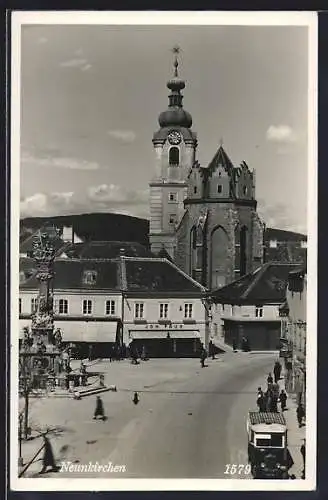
(166, 343)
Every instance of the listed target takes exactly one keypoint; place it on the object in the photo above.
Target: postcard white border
(308, 19)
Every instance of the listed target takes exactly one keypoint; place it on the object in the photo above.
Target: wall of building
(223, 219)
(75, 302)
(151, 317)
(101, 328)
(262, 335)
(220, 312)
(295, 331)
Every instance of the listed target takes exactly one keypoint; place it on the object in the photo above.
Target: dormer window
(174, 156)
(273, 244)
(219, 188)
(195, 189)
(89, 277)
(303, 244)
(244, 190)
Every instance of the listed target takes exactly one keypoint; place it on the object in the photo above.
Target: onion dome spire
(175, 115)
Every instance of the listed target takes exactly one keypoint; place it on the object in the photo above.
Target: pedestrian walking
(283, 399)
(99, 410)
(203, 356)
(300, 414)
(48, 457)
(135, 398)
(260, 400)
(277, 371)
(270, 379)
(211, 349)
(302, 450)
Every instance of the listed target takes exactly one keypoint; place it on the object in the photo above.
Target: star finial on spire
(176, 51)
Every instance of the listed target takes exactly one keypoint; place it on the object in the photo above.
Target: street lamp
(20, 438)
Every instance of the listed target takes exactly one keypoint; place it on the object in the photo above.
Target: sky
(91, 96)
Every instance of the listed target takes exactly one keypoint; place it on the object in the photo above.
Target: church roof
(220, 159)
(265, 285)
(130, 274)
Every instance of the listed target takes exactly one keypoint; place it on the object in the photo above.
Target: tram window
(263, 443)
(276, 440)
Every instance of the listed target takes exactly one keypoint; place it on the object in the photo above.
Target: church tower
(220, 238)
(175, 150)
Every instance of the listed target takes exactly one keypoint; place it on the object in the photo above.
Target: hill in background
(93, 227)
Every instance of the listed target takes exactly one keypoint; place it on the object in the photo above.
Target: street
(190, 422)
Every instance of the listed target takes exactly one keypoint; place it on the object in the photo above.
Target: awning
(88, 331)
(81, 331)
(163, 334)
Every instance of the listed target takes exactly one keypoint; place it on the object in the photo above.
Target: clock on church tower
(174, 137)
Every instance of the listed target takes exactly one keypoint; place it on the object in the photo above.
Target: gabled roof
(131, 274)
(220, 158)
(158, 275)
(70, 274)
(266, 284)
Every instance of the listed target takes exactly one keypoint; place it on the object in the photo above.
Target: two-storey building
(250, 307)
(149, 302)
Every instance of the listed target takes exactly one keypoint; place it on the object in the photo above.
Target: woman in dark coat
(48, 457)
(300, 414)
(99, 411)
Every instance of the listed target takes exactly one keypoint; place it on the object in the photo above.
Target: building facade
(250, 308)
(106, 303)
(294, 333)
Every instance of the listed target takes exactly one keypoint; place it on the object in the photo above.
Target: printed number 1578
(233, 469)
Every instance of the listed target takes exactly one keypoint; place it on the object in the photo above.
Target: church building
(205, 218)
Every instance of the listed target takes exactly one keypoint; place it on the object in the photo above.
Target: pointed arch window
(240, 251)
(174, 156)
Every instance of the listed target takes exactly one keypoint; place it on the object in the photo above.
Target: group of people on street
(268, 401)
